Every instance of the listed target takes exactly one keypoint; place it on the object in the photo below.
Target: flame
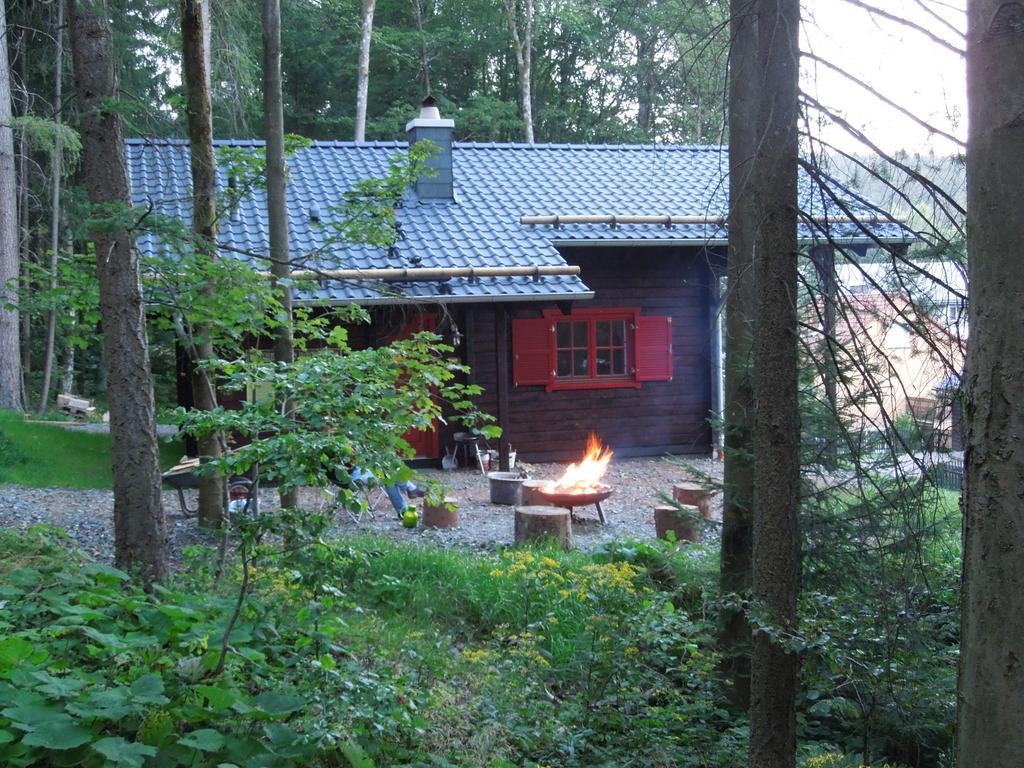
(585, 476)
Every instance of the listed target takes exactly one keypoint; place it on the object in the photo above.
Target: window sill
(561, 385)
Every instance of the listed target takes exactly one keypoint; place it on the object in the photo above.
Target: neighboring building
(626, 346)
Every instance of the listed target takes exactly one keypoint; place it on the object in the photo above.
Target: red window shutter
(531, 352)
(654, 349)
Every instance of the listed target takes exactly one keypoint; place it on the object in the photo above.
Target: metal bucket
(506, 488)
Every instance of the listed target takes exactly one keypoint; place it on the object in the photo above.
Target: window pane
(619, 333)
(579, 334)
(564, 364)
(619, 362)
(564, 335)
(603, 332)
(579, 363)
(604, 363)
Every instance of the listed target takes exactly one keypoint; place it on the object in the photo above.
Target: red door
(425, 444)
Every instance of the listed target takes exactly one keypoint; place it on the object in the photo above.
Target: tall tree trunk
(10, 366)
(363, 82)
(522, 44)
(738, 502)
(25, 251)
(139, 529)
(277, 202)
(991, 702)
(776, 431)
(195, 37)
(424, 51)
(56, 172)
(646, 85)
(25, 257)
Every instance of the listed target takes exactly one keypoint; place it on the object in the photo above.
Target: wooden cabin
(579, 282)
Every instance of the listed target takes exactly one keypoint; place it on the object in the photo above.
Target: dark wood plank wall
(659, 417)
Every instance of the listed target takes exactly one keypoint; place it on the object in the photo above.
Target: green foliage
(880, 620)
(368, 652)
(47, 456)
(368, 213)
(42, 135)
(179, 299)
(591, 59)
(246, 168)
(566, 659)
(337, 409)
(74, 298)
(361, 653)
(94, 672)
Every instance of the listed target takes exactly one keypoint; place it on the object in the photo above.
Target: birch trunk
(10, 356)
(67, 377)
(195, 60)
(776, 430)
(363, 83)
(139, 529)
(522, 44)
(991, 684)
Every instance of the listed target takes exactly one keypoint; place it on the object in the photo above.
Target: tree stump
(445, 515)
(684, 523)
(531, 494)
(534, 523)
(695, 495)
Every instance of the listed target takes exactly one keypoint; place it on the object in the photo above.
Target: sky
(901, 63)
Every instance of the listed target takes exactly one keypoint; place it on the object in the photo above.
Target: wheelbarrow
(183, 476)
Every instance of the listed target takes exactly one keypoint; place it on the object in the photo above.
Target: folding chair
(371, 495)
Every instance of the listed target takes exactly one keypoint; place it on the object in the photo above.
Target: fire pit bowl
(569, 500)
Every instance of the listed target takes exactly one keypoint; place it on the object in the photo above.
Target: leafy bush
(359, 652)
(881, 621)
(93, 671)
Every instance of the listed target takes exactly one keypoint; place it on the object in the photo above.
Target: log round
(683, 523)
(535, 523)
(694, 495)
(532, 497)
(441, 515)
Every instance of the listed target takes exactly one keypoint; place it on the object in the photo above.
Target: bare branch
(875, 11)
(940, 18)
(885, 99)
(863, 138)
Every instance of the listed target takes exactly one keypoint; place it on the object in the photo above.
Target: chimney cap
(429, 117)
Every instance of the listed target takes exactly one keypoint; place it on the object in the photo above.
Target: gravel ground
(86, 515)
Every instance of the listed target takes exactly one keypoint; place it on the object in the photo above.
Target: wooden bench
(78, 407)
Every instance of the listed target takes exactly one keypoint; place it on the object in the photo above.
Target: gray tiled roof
(495, 184)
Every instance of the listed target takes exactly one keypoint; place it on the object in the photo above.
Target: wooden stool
(534, 523)
(683, 524)
(696, 495)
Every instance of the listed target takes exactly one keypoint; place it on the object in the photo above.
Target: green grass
(47, 456)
